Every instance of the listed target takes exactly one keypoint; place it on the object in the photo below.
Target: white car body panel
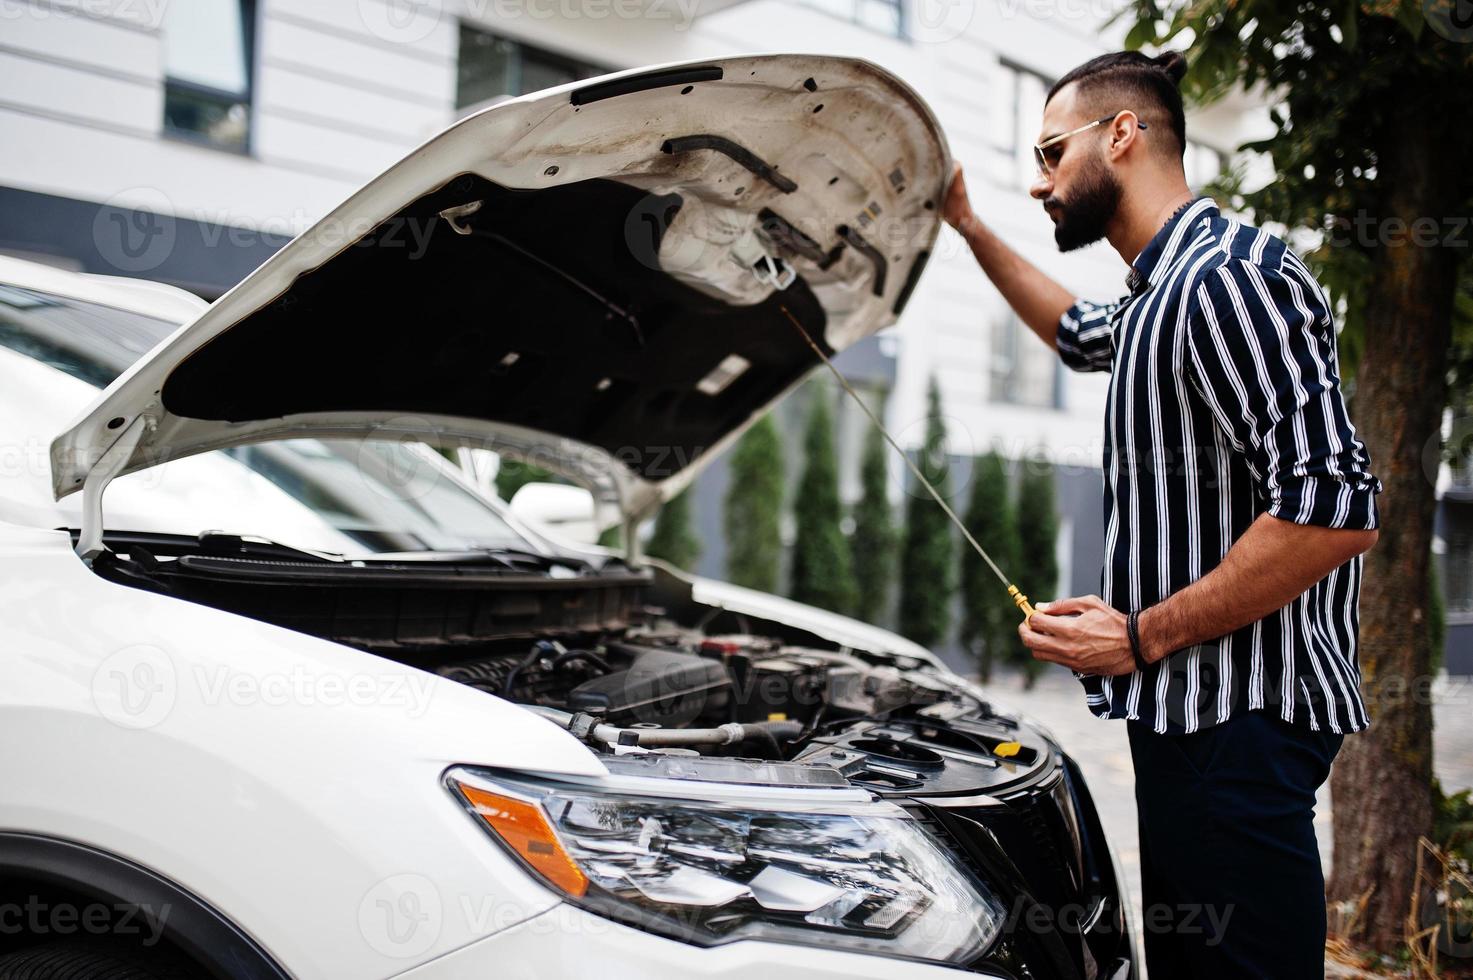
(288, 779)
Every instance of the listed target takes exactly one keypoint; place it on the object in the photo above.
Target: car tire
(87, 960)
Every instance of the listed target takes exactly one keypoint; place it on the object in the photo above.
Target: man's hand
(957, 207)
(1083, 634)
(1038, 300)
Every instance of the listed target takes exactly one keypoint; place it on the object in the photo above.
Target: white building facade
(187, 139)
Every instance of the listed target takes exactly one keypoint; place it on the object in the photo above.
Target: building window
(882, 16)
(207, 71)
(1023, 93)
(493, 68)
(1024, 371)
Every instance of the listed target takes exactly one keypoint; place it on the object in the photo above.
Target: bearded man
(1237, 503)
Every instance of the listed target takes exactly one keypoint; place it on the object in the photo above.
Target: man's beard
(1084, 218)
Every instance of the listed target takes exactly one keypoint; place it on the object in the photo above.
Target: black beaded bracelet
(1133, 630)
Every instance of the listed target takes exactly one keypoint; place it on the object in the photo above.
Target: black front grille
(1031, 851)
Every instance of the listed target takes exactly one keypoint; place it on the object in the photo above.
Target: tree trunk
(1381, 783)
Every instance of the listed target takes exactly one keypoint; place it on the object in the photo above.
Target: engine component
(587, 727)
(914, 755)
(659, 687)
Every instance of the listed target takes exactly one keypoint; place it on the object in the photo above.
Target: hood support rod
(1019, 599)
(109, 465)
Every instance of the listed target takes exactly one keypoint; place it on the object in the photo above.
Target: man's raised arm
(1038, 300)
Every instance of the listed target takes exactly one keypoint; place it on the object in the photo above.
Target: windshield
(346, 497)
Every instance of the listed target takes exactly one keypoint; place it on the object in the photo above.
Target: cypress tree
(753, 509)
(1038, 535)
(875, 537)
(823, 574)
(673, 540)
(989, 621)
(927, 564)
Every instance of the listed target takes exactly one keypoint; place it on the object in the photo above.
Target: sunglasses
(1047, 154)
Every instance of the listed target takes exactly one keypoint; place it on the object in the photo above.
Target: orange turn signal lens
(523, 827)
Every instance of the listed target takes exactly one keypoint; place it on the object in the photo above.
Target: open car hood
(592, 278)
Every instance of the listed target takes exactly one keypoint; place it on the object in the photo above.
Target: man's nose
(1042, 187)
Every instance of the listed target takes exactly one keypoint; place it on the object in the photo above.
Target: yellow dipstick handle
(1021, 601)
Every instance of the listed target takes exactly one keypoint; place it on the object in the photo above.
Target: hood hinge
(108, 465)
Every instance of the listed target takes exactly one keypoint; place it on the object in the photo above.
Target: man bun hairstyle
(1131, 80)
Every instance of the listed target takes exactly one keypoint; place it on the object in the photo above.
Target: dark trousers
(1230, 873)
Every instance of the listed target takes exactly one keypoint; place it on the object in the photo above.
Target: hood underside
(610, 280)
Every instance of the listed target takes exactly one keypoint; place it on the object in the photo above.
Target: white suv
(285, 696)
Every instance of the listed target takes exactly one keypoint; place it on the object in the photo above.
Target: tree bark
(1381, 783)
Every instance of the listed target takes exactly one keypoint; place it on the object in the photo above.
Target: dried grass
(1437, 874)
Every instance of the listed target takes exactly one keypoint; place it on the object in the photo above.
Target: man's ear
(1124, 131)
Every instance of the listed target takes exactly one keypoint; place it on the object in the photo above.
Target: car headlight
(858, 876)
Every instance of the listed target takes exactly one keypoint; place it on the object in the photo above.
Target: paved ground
(1101, 749)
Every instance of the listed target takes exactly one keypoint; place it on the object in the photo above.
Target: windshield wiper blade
(206, 542)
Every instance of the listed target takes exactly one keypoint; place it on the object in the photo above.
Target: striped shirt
(1224, 403)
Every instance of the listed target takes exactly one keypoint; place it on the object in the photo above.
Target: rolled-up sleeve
(1261, 346)
(1086, 337)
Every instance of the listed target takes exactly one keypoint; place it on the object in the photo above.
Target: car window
(343, 496)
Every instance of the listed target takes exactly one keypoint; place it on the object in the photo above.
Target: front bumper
(1042, 849)
(566, 942)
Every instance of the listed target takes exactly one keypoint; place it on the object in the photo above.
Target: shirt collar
(1163, 248)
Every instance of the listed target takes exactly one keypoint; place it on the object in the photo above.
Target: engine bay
(622, 657)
